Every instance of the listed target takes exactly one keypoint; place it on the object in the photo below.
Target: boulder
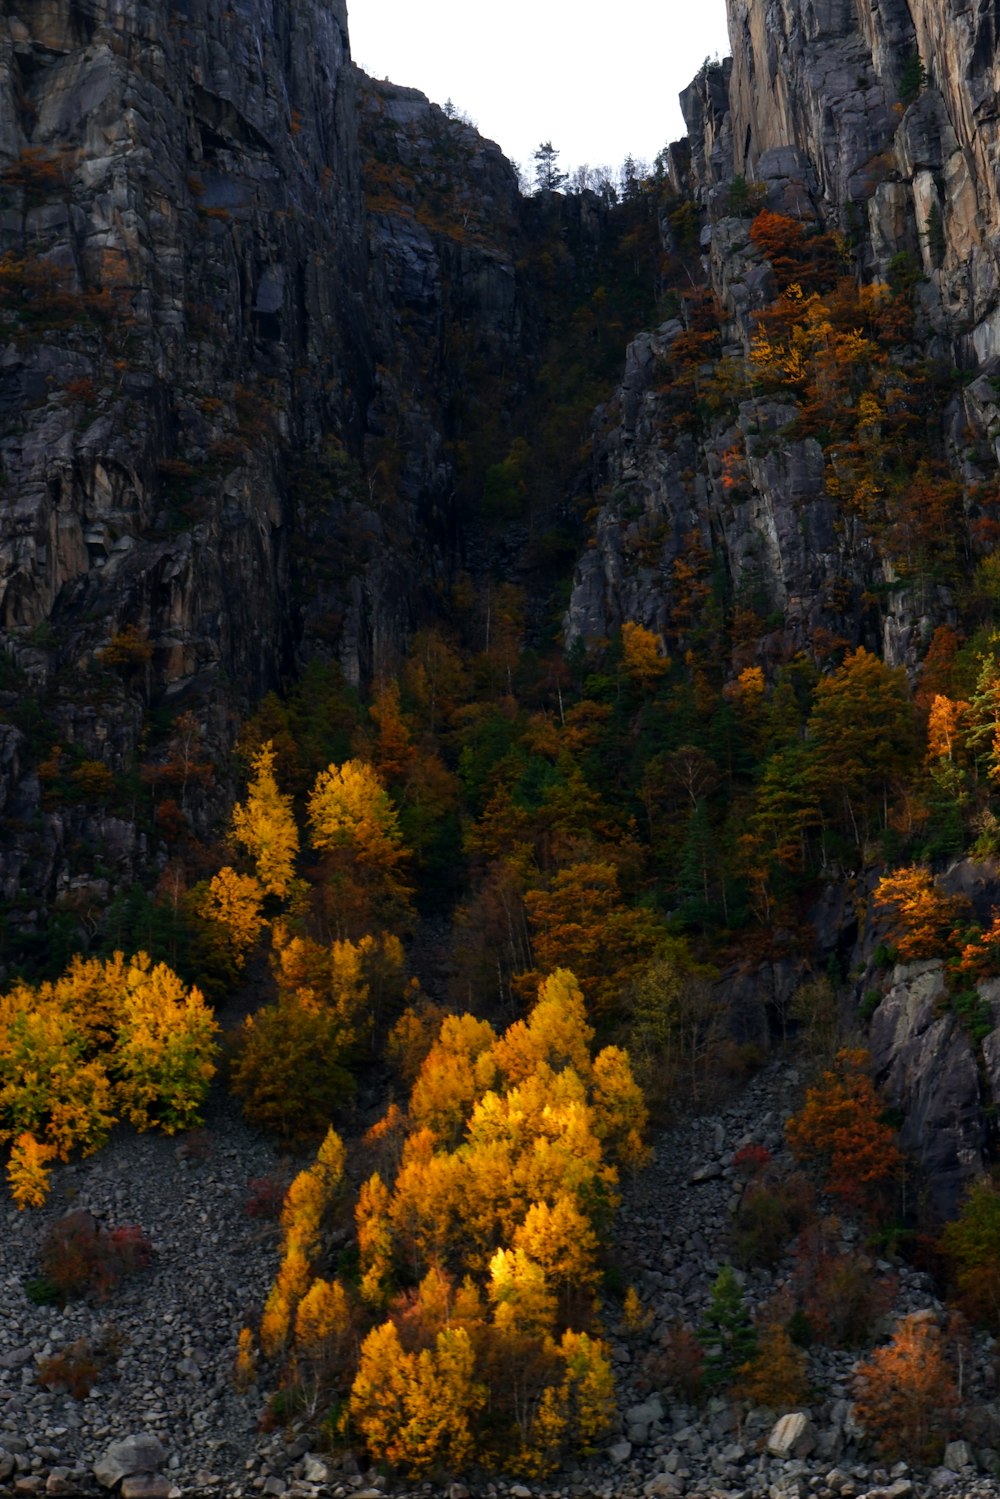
(146, 1486)
(794, 1435)
(141, 1453)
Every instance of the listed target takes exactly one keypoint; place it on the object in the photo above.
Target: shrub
(769, 1216)
(776, 1376)
(74, 1370)
(79, 1257)
(267, 1194)
(842, 1300)
(906, 1395)
(971, 1248)
(678, 1364)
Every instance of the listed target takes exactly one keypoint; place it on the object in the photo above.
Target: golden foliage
(28, 1170)
(265, 825)
(921, 916)
(245, 1364)
(417, 1410)
(643, 654)
(234, 901)
(109, 1039)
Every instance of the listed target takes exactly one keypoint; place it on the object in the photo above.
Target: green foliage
(870, 1003)
(726, 1331)
(913, 78)
(936, 242)
(971, 1246)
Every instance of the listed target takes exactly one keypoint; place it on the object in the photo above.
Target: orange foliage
(906, 1394)
(921, 914)
(839, 1129)
(812, 260)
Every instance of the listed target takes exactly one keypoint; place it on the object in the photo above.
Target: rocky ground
(165, 1419)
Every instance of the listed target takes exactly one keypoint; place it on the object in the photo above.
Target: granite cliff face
(233, 276)
(877, 122)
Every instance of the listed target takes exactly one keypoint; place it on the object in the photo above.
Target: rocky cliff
(874, 126)
(247, 297)
(877, 125)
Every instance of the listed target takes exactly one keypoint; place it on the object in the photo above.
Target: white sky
(599, 81)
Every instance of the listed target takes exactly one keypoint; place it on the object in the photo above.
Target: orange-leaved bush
(839, 1129)
(906, 1395)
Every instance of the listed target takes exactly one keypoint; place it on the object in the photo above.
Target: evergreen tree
(548, 177)
(726, 1332)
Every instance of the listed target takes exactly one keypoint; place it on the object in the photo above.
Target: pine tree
(726, 1331)
(548, 177)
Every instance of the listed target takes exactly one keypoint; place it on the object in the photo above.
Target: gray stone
(145, 1486)
(141, 1453)
(620, 1452)
(639, 1419)
(663, 1486)
(959, 1455)
(793, 1435)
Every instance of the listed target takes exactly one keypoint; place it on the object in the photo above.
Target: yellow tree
(457, 1070)
(265, 826)
(643, 655)
(234, 902)
(355, 825)
(416, 1411)
(561, 1240)
(556, 1032)
(324, 1325)
(374, 1240)
(164, 1055)
(620, 1112)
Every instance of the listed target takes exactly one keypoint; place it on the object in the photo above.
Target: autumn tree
(971, 1246)
(863, 738)
(581, 922)
(417, 1411)
(840, 1130)
(115, 1038)
(643, 655)
(265, 826)
(674, 1018)
(289, 1068)
(906, 1395)
(356, 827)
(480, 1246)
(921, 916)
